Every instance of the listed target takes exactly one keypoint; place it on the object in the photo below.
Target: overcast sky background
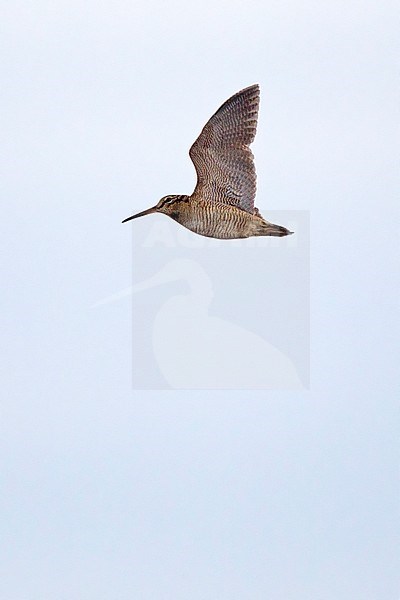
(113, 494)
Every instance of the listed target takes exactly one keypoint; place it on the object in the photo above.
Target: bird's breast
(214, 219)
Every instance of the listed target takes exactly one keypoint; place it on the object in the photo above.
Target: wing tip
(250, 94)
(251, 89)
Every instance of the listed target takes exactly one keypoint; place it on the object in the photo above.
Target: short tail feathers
(265, 228)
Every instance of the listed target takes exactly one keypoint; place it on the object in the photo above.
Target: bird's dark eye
(166, 201)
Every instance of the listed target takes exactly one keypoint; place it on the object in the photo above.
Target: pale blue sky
(112, 494)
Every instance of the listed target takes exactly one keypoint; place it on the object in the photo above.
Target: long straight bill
(141, 214)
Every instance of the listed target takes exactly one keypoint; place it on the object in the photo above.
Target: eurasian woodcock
(222, 204)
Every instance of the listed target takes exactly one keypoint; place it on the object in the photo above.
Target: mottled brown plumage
(222, 204)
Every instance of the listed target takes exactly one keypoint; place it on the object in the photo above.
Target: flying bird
(222, 204)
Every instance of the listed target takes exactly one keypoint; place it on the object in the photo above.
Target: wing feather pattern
(221, 155)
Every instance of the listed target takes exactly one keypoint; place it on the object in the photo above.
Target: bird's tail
(265, 228)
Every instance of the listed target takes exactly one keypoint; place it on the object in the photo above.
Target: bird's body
(222, 204)
(218, 220)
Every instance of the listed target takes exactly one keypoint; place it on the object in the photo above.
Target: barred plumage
(221, 154)
(222, 204)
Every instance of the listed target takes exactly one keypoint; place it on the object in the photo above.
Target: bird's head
(166, 205)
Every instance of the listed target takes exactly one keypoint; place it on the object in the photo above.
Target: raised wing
(221, 154)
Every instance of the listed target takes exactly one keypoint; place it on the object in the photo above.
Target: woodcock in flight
(222, 204)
